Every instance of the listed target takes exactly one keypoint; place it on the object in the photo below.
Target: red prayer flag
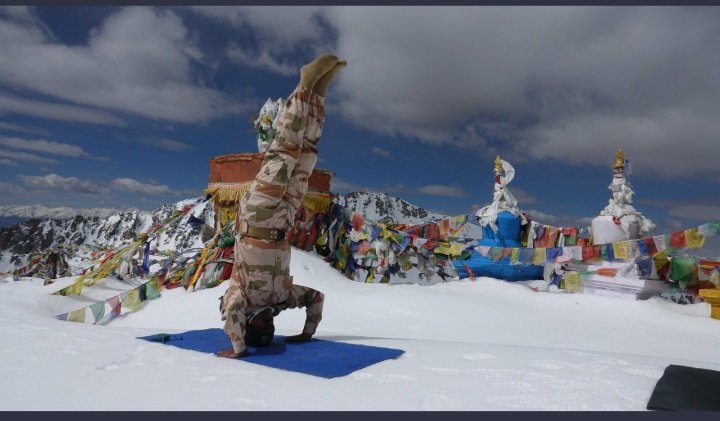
(677, 240)
(357, 221)
(650, 243)
(114, 305)
(590, 252)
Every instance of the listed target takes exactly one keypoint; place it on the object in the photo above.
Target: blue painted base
(502, 269)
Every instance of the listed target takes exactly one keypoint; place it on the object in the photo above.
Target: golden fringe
(230, 193)
(227, 192)
(316, 202)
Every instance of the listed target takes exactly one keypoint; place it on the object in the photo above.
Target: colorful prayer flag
(526, 255)
(652, 249)
(552, 253)
(98, 310)
(131, 299)
(540, 256)
(606, 252)
(571, 281)
(114, 303)
(620, 250)
(77, 316)
(514, 255)
(693, 238)
(660, 243)
(153, 289)
(677, 240)
(709, 229)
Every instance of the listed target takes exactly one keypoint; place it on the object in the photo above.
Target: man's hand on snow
(230, 353)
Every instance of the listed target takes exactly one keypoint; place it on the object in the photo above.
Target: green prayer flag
(98, 310)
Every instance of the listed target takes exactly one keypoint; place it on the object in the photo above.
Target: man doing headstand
(261, 285)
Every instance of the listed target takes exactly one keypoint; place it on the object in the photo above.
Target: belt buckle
(276, 234)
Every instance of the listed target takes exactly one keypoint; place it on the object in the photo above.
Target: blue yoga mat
(317, 357)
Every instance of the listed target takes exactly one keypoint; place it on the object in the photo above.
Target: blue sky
(124, 106)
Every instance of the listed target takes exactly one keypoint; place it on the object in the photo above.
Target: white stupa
(503, 200)
(620, 221)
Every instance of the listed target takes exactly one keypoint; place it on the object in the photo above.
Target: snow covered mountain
(381, 207)
(102, 228)
(116, 230)
(42, 212)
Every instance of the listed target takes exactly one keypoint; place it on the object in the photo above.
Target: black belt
(264, 233)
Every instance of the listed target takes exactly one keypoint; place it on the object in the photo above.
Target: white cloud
(571, 83)
(271, 37)
(133, 186)
(54, 111)
(140, 60)
(442, 190)
(260, 60)
(45, 146)
(696, 212)
(10, 188)
(376, 150)
(276, 28)
(522, 196)
(542, 217)
(68, 184)
(24, 156)
(168, 144)
(23, 129)
(9, 163)
(23, 15)
(342, 186)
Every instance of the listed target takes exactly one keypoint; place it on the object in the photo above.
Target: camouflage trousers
(261, 276)
(262, 279)
(280, 186)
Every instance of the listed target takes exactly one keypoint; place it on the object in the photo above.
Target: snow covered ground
(470, 345)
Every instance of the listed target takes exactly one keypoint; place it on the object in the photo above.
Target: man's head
(259, 330)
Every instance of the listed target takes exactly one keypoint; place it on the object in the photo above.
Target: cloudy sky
(124, 106)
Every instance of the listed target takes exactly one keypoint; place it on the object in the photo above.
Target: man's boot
(322, 84)
(313, 71)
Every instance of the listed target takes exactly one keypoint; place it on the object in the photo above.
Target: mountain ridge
(118, 229)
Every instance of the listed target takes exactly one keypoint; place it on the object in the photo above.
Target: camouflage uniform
(261, 276)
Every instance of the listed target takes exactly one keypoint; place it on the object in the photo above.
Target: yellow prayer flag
(444, 229)
(540, 256)
(132, 300)
(620, 250)
(77, 316)
(74, 289)
(572, 281)
(456, 249)
(443, 248)
(693, 238)
(514, 255)
(661, 259)
(200, 266)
